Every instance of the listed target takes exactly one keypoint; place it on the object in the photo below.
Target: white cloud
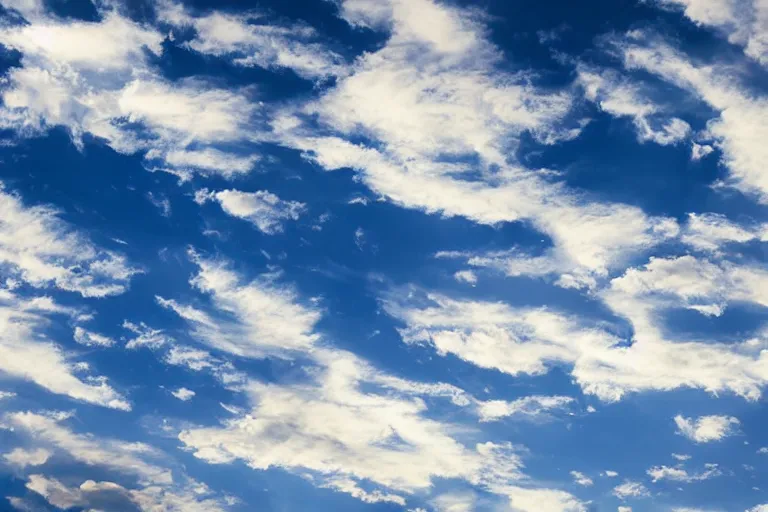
(693, 283)
(43, 250)
(618, 97)
(92, 339)
(94, 77)
(183, 394)
(452, 101)
(114, 44)
(455, 502)
(349, 486)
(738, 131)
(263, 209)
(466, 276)
(248, 41)
(679, 474)
(531, 406)
(531, 341)
(400, 452)
(699, 151)
(709, 231)
(705, 429)
(763, 450)
(581, 479)
(22, 458)
(22, 341)
(207, 160)
(539, 500)
(611, 474)
(111, 496)
(161, 203)
(127, 458)
(248, 318)
(681, 457)
(630, 489)
(332, 428)
(624, 509)
(744, 22)
(146, 336)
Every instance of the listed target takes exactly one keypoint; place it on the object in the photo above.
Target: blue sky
(385, 255)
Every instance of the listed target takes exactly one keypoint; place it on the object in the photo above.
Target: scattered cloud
(43, 250)
(706, 429)
(581, 479)
(630, 489)
(679, 474)
(183, 394)
(263, 209)
(22, 339)
(92, 339)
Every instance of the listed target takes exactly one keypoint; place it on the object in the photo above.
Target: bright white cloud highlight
(706, 429)
(43, 250)
(679, 474)
(581, 479)
(183, 394)
(26, 354)
(92, 339)
(630, 489)
(263, 209)
(248, 318)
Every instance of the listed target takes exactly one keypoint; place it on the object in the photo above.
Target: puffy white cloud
(693, 283)
(679, 474)
(263, 209)
(248, 318)
(699, 151)
(248, 40)
(630, 489)
(466, 276)
(705, 429)
(539, 500)
(209, 160)
(22, 458)
(581, 479)
(611, 474)
(26, 354)
(114, 44)
(183, 394)
(43, 250)
(455, 502)
(92, 339)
